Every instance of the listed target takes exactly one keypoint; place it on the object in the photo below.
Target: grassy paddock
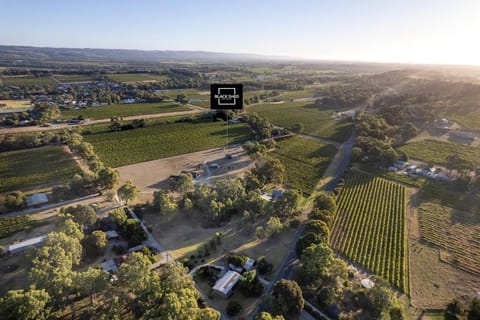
(27, 81)
(124, 110)
(436, 152)
(73, 77)
(24, 169)
(136, 77)
(317, 121)
(305, 161)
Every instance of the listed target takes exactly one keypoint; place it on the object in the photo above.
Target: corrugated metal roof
(25, 244)
(227, 282)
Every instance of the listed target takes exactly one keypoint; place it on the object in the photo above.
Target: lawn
(27, 81)
(136, 77)
(73, 77)
(305, 161)
(317, 121)
(124, 110)
(24, 169)
(436, 152)
(161, 141)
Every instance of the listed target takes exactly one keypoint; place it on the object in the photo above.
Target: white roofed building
(223, 287)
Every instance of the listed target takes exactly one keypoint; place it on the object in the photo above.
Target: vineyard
(160, 141)
(369, 227)
(11, 225)
(456, 232)
(316, 121)
(27, 168)
(305, 161)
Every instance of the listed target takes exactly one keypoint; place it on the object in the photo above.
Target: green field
(305, 161)
(161, 141)
(73, 77)
(124, 110)
(196, 97)
(27, 81)
(436, 152)
(24, 169)
(317, 121)
(369, 227)
(136, 77)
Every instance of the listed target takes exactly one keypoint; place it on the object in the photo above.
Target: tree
(455, 307)
(271, 171)
(128, 191)
(183, 183)
(230, 189)
(474, 312)
(94, 244)
(315, 262)
(322, 215)
(267, 316)
(15, 200)
(254, 203)
(133, 231)
(91, 281)
(274, 226)
(164, 202)
(396, 314)
(24, 305)
(286, 298)
(234, 308)
(356, 154)
(263, 266)
(298, 128)
(320, 228)
(261, 233)
(107, 177)
(325, 202)
(250, 285)
(286, 205)
(118, 216)
(82, 214)
(69, 227)
(408, 131)
(306, 240)
(460, 163)
(45, 111)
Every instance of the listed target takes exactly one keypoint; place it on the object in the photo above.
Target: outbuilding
(21, 246)
(224, 286)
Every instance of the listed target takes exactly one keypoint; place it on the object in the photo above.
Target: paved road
(90, 122)
(88, 199)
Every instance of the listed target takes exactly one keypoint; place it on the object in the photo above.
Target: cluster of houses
(224, 285)
(412, 170)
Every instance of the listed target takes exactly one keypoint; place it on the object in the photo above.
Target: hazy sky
(422, 31)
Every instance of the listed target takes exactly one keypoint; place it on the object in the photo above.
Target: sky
(409, 31)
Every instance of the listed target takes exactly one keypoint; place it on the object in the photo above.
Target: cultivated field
(136, 77)
(153, 175)
(161, 141)
(27, 81)
(29, 168)
(369, 227)
(124, 110)
(73, 78)
(436, 152)
(10, 225)
(305, 161)
(317, 121)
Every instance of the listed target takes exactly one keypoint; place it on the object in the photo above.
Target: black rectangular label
(226, 96)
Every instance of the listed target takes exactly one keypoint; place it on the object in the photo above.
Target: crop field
(456, 232)
(318, 122)
(305, 161)
(124, 110)
(11, 225)
(136, 77)
(23, 169)
(27, 81)
(161, 141)
(73, 77)
(436, 152)
(370, 228)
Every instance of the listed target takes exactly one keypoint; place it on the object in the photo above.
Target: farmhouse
(21, 246)
(223, 287)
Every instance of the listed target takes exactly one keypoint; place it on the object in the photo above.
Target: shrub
(234, 308)
(264, 267)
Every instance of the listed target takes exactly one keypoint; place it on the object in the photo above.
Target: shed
(37, 198)
(223, 287)
(112, 235)
(21, 246)
(249, 264)
(109, 266)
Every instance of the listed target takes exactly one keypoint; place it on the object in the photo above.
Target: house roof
(27, 243)
(111, 234)
(36, 198)
(249, 264)
(109, 265)
(227, 282)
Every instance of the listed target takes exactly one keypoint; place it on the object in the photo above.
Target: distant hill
(22, 54)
